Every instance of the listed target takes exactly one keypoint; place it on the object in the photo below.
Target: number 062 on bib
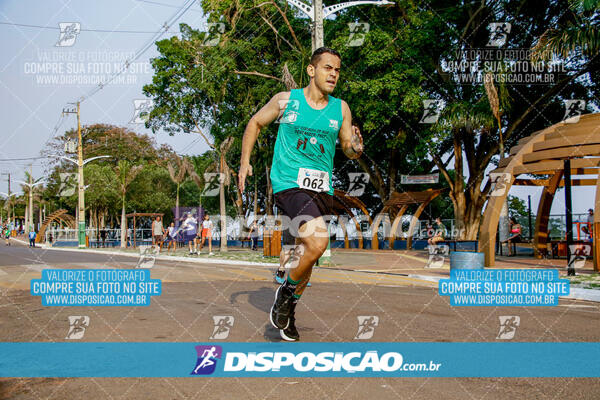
(313, 179)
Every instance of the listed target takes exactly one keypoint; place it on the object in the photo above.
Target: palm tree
(579, 34)
(226, 181)
(9, 205)
(222, 167)
(126, 173)
(179, 168)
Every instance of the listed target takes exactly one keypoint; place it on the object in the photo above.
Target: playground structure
(61, 216)
(559, 151)
(399, 203)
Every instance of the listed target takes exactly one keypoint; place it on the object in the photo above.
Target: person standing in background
(207, 227)
(157, 233)
(189, 227)
(253, 234)
(590, 224)
(32, 236)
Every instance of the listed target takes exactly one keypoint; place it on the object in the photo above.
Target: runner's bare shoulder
(272, 110)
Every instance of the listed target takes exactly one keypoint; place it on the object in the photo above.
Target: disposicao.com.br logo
(314, 363)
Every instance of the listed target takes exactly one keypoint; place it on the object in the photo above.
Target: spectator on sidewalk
(207, 227)
(32, 236)
(158, 233)
(189, 228)
(171, 237)
(253, 234)
(103, 236)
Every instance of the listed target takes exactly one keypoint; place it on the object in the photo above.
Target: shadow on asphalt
(261, 299)
(272, 334)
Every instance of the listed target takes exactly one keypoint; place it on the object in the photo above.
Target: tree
(179, 168)
(103, 198)
(125, 173)
(213, 91)
(465, 124)
(102, 193)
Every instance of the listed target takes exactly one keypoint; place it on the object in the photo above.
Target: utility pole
(81, 193)
(30, 210)
(80, 184)
(317, 13)
(317, 33)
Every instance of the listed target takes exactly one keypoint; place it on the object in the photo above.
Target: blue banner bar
(346, 359)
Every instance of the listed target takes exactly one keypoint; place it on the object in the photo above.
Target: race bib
(313, 179)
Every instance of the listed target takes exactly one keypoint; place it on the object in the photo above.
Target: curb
(160, 257)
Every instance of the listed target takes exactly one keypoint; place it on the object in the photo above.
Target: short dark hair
(316, 55)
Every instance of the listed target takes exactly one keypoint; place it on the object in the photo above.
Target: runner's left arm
(350, 138)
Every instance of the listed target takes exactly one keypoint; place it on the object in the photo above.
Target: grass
(591, 281)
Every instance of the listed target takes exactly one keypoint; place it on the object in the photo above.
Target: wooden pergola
(399, 202)
(544, 153)
(62, 216)
(343, 204)
(135, 215)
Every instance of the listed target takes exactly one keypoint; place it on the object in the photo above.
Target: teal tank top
(306, 140)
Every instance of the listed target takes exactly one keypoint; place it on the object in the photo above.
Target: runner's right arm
(267, 114)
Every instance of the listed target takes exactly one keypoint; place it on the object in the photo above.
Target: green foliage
(517, 208)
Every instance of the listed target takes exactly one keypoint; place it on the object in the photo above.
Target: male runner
(310, 123)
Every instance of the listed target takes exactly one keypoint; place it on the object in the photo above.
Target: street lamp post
(316, 12)
(30, 185)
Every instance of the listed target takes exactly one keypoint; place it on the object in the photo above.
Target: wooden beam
(574, 171)
(540, 237)
(589, 138)
(545, 182)
(555, 165)
(531, 182)
(396, 223)
(375, 228)
(563, 153)
(415, 218)
(584, 126)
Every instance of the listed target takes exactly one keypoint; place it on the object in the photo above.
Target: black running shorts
(296, 202)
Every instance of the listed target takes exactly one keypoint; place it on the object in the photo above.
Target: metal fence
(112, 237)
(557, 225)
(96, 237)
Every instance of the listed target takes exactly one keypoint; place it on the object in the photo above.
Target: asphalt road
(409, 310)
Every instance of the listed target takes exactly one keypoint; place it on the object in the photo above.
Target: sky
(34, 72)
(31, 102)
